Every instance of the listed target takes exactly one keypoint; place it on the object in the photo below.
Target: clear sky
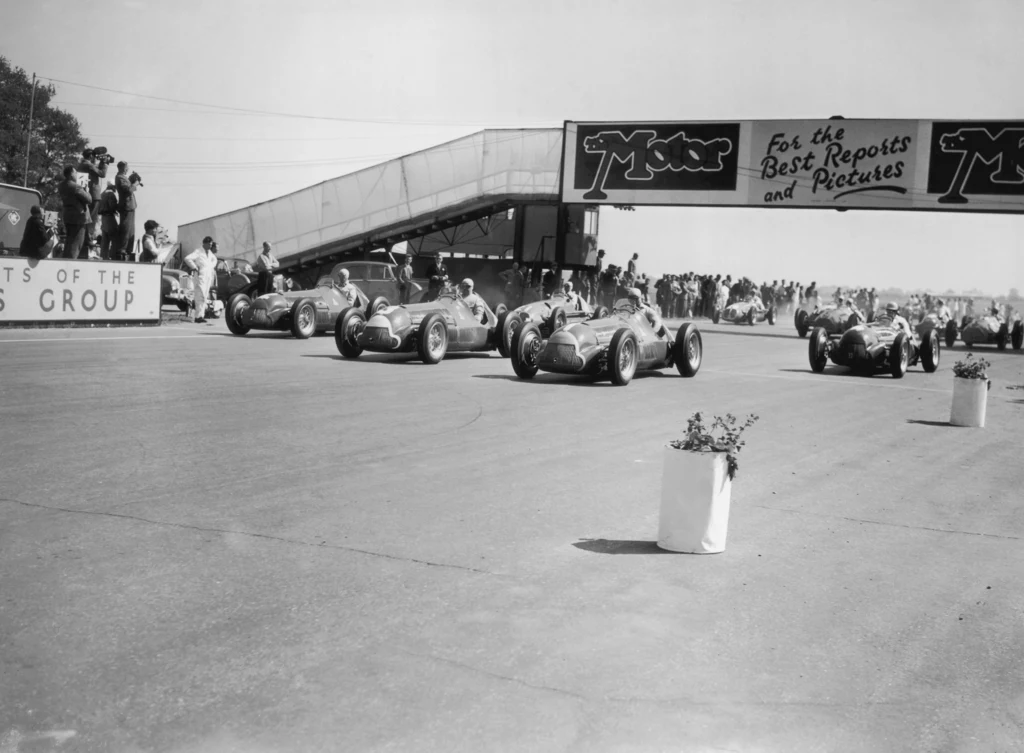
(387, 77)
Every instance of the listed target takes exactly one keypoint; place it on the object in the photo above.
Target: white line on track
(93, 339)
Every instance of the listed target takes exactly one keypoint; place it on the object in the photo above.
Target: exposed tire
(376, 304)
(499, 334)
(232, 315)
(771, 315)
(751, 314)
(601, 312)
(558, 318)
(500, 309)
(817, 349)
(1017, 339)
(899, 356)
(801, 323)
(950, 333)
(303, 318)
(1003, 337)
(349, 324)
(623, 356)
(508, 329)
(688, 350)
(852, 321)
(716, 316)
(432, 342)
(526, 345)
(930, 352)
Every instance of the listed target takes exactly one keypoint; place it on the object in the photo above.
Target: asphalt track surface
(212, 543)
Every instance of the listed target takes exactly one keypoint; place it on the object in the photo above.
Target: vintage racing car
(993, 329)
(745, 312)
(301, 311)
(947, 331)
(431, 329)
(548, 314)
(870, 348)
(835, 319)
(617, 345)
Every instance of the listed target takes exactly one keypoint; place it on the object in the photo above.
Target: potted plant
(696, 484)
(970, 392)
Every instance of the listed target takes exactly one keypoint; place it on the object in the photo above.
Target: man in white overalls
(204, 262)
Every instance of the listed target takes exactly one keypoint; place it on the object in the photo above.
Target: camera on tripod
(100, 152)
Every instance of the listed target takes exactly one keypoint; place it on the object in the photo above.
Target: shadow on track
(620, 546)
(747, 331)
(570, 380)
(399, 359)
(928, 423)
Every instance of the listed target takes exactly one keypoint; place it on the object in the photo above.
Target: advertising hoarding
(823, 164)
(66, 290)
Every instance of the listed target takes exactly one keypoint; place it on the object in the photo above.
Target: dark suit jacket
(76, 201)
(125, 194)
(34, 237)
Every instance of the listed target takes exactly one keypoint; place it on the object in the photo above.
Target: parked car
(873, 348)
(548, 314)
(616, 346)
(172, 288)
(235, 276)
(993, 329)
(431, 329)
(745, 312)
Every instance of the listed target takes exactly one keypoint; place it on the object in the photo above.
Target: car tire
(601, 312)
(499, 334)
(751, 316)
(346, 330)
(376, 304)
(526, 342)
(930, 352)
(623, 356)
(303, 318)
(513, 322)
(716, 316)
(500, 309)
(558, 318)
(688, 350)
(817, 349)
(852, 321)
(950, 333)
(771, 315)
(801, 323)
(1017, 338)
(432, 340)
(899, 356)
(236, 306)
(1003, 336)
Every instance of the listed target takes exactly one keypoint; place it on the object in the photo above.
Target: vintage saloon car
(303, 312)
(377, 278)
(872, 348)
(745, 312)
(431, 329)
(835, 319)
(992, 329)
(617, 346)
(548, 314)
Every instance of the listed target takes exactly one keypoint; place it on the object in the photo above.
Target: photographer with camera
(94, 164)
(126, 205)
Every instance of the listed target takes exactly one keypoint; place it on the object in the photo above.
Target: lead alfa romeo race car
(992, 329)
(431, 329)
(301, 311)
(833, 318)
(872, 348)
(617, 346)
(745, 312)
(549, 314)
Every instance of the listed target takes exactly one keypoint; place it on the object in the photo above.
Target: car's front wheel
(379, 303)
(771, 315)
(1003, 337)
(303, 318)
(930, 352)
(623, 355)
(1017, 339)
(688, 350)
(950, 333)
(817, 350)
(433, 339)
(801, 323)
(238, 305)
(346, 332)
(558, 318)
(716, 315)
(899, 356)
(525, 350)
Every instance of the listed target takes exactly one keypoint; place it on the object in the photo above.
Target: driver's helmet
(635, 296)
(466, 285)
(892, 309)
(343, 276)
(567, 286)
(849, 302)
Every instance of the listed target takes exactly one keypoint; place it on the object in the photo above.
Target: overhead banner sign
(822, 164)
(66, 290)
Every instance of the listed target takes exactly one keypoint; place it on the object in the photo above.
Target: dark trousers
(126, 234)
(403, 294)
(74, 241)
(264, 282)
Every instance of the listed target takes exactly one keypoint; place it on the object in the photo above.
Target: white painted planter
(970, 398)
(695, 495)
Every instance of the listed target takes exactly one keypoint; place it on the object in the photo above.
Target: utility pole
(28, 140)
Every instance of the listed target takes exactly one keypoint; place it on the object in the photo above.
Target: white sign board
(66, 290)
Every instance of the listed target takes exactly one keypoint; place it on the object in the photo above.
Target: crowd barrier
(67, 291)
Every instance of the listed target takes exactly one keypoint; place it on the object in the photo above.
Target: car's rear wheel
(688, 350)
(771, 315)
(558, 318)
(525, 350)
(623, 356)
(499, 334)
(377, 303)
(433, 339)
(950, 333)
(899, 356)
(1017, 339)
(601, 312)
(349, 324)
(233, 316)
(500, 309)
(801, 323)
(303, 318)
(716, 316)
(852, 321)
(930, 352)
(1003, 337)
(508, 330)
(817, 349)
(751, 315)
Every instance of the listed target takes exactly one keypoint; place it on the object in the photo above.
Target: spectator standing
(266, 263)
(36, 236)
(126, 205)
(75, 215)
(515, 284)
(405, 280)
(597, 276)
(150, 253)
(108, 222)
(97, 182)
(631, 271)
(552, 280)
(438, 274)
(203, 262)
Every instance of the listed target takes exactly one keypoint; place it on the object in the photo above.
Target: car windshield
(624, 306)
(325, 282)
(449, 291)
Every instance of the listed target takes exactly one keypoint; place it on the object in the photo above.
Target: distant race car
(548, 314)
(617, 345)
(947, 331)
(833, 318)
(432, 329)
(992, 329)
(301, 311)
(871, 348)
(745, 312)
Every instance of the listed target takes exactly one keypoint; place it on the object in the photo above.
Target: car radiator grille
(565, 355)
(259, 316)
(377, 336)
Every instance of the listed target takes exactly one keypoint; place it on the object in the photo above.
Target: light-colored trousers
(204, 281)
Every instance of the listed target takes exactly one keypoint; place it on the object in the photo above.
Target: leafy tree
(56, 135)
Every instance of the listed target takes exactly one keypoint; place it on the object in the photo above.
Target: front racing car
(872, 348)
(549, 315)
